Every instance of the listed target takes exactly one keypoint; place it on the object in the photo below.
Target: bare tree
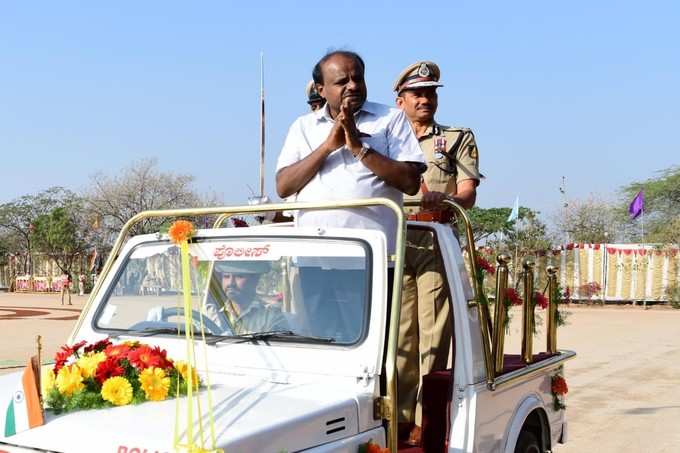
(589, 221)
(112, 201)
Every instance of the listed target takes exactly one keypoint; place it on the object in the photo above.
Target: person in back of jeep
(452, 172)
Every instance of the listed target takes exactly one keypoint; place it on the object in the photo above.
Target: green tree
(662, 207)
(57, 234)
(488, 223)
(17, 218)
(528, 236)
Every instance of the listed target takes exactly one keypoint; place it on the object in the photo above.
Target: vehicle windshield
(316, 288)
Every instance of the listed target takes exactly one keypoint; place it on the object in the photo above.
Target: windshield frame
(367, 291)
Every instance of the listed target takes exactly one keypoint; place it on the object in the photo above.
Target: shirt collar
(324, 113)
(254, 305)
(432, 129)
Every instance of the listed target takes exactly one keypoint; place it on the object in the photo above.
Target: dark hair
(316, 72)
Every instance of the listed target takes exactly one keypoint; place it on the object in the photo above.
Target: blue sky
(586, 90)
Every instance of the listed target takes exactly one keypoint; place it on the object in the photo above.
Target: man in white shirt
(350, 148)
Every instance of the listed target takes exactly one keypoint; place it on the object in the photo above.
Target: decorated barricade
(41, 284)
(23, 283)
(641, 272)
(56, 284)
(604, 272)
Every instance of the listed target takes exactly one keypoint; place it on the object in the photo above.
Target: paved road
(23, 316)
(624, 386)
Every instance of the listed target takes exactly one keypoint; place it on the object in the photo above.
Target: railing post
(528, 313)
(551, 346)
(499, 315)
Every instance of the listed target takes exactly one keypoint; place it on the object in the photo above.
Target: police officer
(452, 171)
(314, 100)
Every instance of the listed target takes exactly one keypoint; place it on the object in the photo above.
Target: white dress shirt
(341, 177)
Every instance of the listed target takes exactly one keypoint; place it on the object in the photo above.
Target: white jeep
(326, 380)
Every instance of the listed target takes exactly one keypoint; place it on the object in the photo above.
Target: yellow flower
(69, 380)
(183, 369)
(46, 380)
(154, 383)
(88, 363)
(117, 390)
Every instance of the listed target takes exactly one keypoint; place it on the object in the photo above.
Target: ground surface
(624, 386)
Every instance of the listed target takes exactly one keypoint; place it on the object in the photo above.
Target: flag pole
(261, 124)
(642, 223)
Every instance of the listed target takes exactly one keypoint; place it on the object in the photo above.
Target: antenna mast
(261, 124)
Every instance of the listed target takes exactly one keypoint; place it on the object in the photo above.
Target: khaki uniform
(257, 317)
(425, 327)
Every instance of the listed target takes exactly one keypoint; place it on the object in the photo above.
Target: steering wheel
(209, 324)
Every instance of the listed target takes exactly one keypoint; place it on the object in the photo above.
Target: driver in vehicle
(233, 303)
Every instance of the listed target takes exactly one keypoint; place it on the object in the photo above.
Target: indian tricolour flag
(24, 410)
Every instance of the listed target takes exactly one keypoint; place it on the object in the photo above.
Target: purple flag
(637, 205)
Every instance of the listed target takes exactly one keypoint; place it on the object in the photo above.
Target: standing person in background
(81, 284)
(66, 287)
(313, 99)
(452, 172)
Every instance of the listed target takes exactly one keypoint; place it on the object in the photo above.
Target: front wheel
(527, 443)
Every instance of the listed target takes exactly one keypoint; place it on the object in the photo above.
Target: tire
(527, 443)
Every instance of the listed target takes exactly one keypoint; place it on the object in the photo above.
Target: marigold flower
(117, 390)
(46, 380)
(69, 380)
(180, 231)
(183, 369)
(512, 297)
(89, 362)
(155, 383)
(108, 368)
(559, 385)
(540, 300)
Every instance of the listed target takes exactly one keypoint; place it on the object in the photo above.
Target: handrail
(551, 342)
(500, 313)
(227, 211)
(528, 313)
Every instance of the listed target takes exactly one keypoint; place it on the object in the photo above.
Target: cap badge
(424, 70)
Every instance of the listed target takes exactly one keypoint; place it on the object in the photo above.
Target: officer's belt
(432, 216)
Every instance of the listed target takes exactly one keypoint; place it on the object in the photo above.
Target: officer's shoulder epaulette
(454, 128)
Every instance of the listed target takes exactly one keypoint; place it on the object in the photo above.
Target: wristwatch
(364, 150)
